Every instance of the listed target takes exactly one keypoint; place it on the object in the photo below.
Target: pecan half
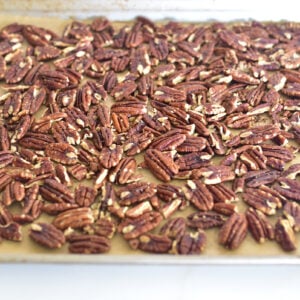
(88, 244)
(62, 153)
(191, 243)
(11, 231)
(205, 220)
(54, 191)
(234, 231)
(132, 228)
(198, 194)
(174, 228)
(161, 165)
(74, 218)
(47, 235)
(152, 243)
(291, 211)
(259, 226)
(284, 235)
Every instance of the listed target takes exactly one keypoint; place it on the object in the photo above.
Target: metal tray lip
(150, 259)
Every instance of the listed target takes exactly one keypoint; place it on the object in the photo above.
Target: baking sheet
(248, 252)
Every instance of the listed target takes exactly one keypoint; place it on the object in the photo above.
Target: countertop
(41, 281)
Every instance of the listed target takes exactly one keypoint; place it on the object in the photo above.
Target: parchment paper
(28, 250)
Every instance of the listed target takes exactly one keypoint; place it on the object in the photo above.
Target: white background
(28, 282)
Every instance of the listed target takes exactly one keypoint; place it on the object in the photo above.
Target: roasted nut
(161, 165)
(198, 194)
(191, 243)
(152, 243)
(205, 220)
(47, 235)
(259, 226)
(234, 231)
(284, 235)
(88, 244)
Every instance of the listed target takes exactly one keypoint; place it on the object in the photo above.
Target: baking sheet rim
(150, 259)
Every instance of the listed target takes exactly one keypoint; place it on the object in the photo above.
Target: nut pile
(78, 109)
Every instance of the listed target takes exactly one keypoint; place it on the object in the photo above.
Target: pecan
(103, 227)
(46, 52)
(198, 194)
(215, 174)
(15, 191)
(6, 158)
(62, 153)
(135, 192)
(152, 243)
(4, 139)
(17, 71)
(37, 36)
(44, 124)
(259, 134)
(5, 215)
(132, 228)
(124, 171)
(55, 208)
(74, 218)
(54, 79)
(64, 132)
(140, 61)
(47, 235)
(224, 208)
(137, 143)
(291, 211)
(284, 235)
(88, 244)
(123, 90)
(171, 207)
(139, 209)
(161, 166)
(205, 220)
(159, 48)
(259, 226)
(234, 231)
(36, 141)
(221, 193)
(168, 192)
(12, 104)
(191, 243)
(168, 141)
(174, 228)
(11, 231)
(263, 199)
(262, 177)
(22, 128)
(56, 192)
(5, 179)
(110, 156)
(130, 107)
(192, 144)
(289, 188)
(167, 94)
(84, 195)
(120, 122)
(78, 171)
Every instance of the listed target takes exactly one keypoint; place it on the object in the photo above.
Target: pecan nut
(234, 231)
(259, 226)
(198, 194)
(205, 220)
(285, 235)
(47, 235)
(88, 244)
(152, 243)
(161, 165)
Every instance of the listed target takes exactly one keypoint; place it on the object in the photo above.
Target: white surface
(148, 282)
(186, 10)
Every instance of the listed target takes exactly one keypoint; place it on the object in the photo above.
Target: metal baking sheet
(28, 251)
